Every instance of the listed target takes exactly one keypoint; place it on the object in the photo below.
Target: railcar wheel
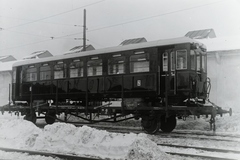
(167, 125)
(50, 117)
(30, 117)
(150, 125)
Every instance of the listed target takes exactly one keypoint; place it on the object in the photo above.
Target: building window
(116, 65)
(30, 74)
(139, 63)
(181, 59)
(76, 68)
(94, 67)
(45, 72)
(60, 70)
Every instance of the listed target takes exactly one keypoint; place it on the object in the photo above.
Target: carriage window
(173, 61)
(198, 62)
(60, 70)
(182, 59)
(31, 74)
(45, 72)
(193, 59)
(94, 67)
(165, 61)
(76, 69)
(204, 61)
(116, 65)
(139, 63)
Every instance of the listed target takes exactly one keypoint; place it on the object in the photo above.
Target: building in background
(7, 58)
(5, 79)
(39, 54)
(133, 41)
(224, 70)
(78, 49)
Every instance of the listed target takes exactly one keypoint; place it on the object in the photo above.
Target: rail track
(48, 154)
(235, 154)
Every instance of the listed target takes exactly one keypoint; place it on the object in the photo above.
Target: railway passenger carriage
(155, 81)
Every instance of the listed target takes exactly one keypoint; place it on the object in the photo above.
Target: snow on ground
(66, 138)
(23, 156)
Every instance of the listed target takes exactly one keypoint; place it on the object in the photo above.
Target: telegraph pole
(84, 30)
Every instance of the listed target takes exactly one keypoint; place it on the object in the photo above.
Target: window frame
(111, 64)
(63, 67)
(186, 60)
(48, 70)
(193, 63)
(30, 73)
(98, 63)
(79, 68)
(133, 61)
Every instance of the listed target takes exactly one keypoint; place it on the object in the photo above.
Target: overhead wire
(55, 15)
(146, 18)
(114, 25)
(23, 19)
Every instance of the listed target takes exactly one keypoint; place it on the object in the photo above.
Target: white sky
(28, 25)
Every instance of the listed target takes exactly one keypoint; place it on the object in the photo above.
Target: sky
(28, 26)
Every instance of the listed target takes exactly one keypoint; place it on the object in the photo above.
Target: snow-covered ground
(86, 141)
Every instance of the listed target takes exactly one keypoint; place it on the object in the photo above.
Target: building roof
(78, 49)
(36, 54)
(201, 34)
(7, 58)
(165, 42)
(133, 41)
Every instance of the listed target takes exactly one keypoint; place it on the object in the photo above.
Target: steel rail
(63, 156)
(193, 136)
(202, 148)
(198, 156)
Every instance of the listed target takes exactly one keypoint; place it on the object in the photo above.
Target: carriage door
(168, 80)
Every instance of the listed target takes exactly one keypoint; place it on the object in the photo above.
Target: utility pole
(84, 30)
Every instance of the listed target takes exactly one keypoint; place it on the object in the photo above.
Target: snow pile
(17, 133)
(66, 138)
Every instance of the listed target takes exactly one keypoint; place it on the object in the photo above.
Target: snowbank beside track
(84, 141)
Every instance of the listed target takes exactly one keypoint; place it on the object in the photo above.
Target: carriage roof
(156, 43)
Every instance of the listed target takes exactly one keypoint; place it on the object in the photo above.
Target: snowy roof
(78, 49)
(165, 42)
(201, 34)
(3, 57)
(133, 41)
(7, 58)
(36, 54)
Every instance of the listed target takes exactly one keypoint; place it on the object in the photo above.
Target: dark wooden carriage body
(155, 81)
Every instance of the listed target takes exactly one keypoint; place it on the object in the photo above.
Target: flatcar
(155, 82)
